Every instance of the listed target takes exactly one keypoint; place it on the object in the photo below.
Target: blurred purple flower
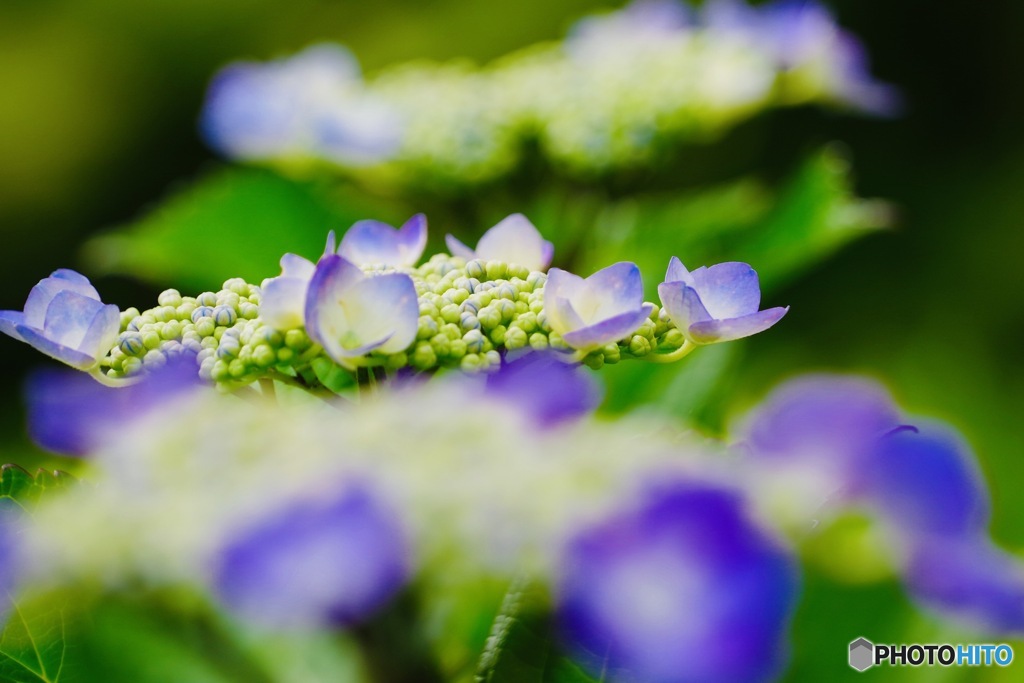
(310, 104)
(971, 580)
(314, 564)
(685, 588)
(376, 243)
(801, 35)
(925, 480)
(350, 313)
(65, 319)
(715, 304)
(72, 414)
(551, 390)
(513, 240)
(604, 308)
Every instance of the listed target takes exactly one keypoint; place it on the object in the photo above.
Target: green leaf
(25, 489)
(33, 644)
(230, 223)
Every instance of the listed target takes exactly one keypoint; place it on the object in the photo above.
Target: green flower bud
(441, 344)
(131, 344)
(493, 358)
(475, 268)
(296, 340)
(538, 341)
(489, 317)
(429, 310)
(185, 310)
(639, 345)
(611, 354)
(536, 279)
(238, 286)
(427, 328)
(209, 342)
(673, 338)
(594, 360)
(219, 372)
(131, 365)
(268, 335)
(457, 348)
(224, 315)
(171, 330)
(237, 368)
(264, 356)
(452, 331)
(469, 322)
(396, 361)
(515, 338)
(207, 299)
(495, 270)
(285, 355)
(555, 341)
(474, 340)
(169, 297)
(150, 339)
(497, 335)
(154, 358)
(527, 322)
(424, 357)
(128, 316)
(451, 313)
(249, 311)
(205, 327)
(471, 363)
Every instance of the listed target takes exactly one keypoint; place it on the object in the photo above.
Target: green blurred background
(98, 123)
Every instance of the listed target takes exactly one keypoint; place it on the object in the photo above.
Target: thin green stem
(686, 349)
(118, 383)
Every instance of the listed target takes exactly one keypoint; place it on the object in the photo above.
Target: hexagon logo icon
(862, 654)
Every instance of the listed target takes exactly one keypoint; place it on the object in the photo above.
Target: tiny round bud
(154, 358)
(536, 279)
(237, 368)
(219, 372)
(200, 313)
(207, 299)
(224, 315)
(441, 344)
(285, 355)
(496, 270)
(131, 344)
(249, 311)
(171, 330)
(474, 340)
(469, 322)
(515, 338)
(264, 356)
(150, 339)
(673, 338)
(457, 348)
(489, 317)
(131, 365)
(475, 268)
(205, 327)
(209, 342)
(169, 297)
(471, 362)
(507, 291)
(424, 357)
(639, 345)
(427, 328)
(538, 341)
(497, 335)
(237, 285)
(451, 313)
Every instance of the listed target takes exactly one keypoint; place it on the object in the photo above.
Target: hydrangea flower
(846, 444)
(513, 240)
(350, 313)
(283, 304)
(314, 564)
(715, 304)
(605, 307)
(375, 243)
(685, 587)
(65, 319)
(311, 104)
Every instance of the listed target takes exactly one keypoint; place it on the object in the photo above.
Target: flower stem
(118, 383)
(672, 356)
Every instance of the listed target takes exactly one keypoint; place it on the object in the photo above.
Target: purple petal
(608, 331)
(293, 265)
(821, 418)
(685, 588)
(284, 302)
(65, 354)
(331, 246)
(70, 413)
(385, 307)
(728, 290)
(10, 321)
(42, 294)
(372, 242)
(69, 316)
(459, 249)
(515, 240)
(683, 305)
(314, 564)
(611, 291)
(101, 336)
(561, 288)
(712, 331)
(677, 272)
(547, 387)
(927, 481)
(971, 580)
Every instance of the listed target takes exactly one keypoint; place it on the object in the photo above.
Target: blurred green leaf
(779, 232)
(26, 489)
(230, 223)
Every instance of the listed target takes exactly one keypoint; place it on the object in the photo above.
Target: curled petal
(62, 280)
(677, 272)
(516, 240)
(712, 331)
(611, 291)
(728, 290)
(293, 265)
(10, 321)
(608, 330)
(372, 242)
(683, 305)
(73, 357)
